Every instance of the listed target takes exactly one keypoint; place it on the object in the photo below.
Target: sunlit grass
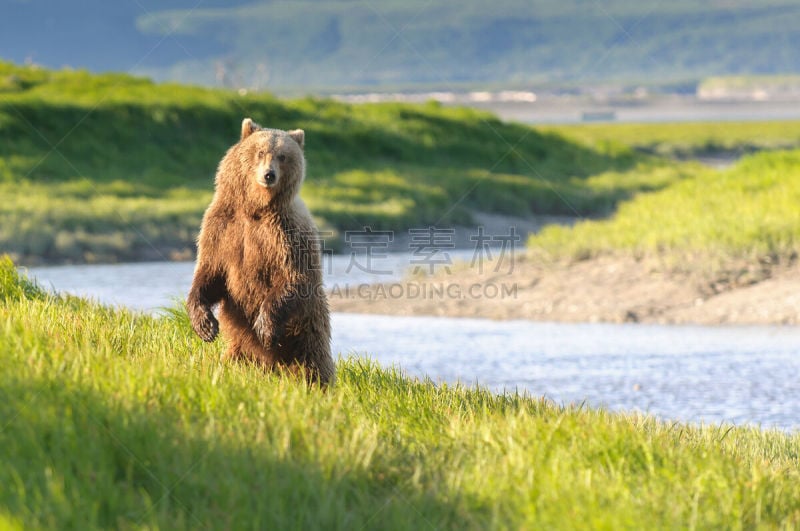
(747, 212)
(688, 139)
(114, 419)
(82, 221)
(108, 139)
(110, 167)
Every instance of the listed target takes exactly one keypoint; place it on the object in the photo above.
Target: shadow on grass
(75, 458)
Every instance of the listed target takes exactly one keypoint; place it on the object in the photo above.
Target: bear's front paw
(205, 324)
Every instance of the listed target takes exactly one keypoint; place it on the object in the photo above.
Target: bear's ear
(299, 136)
(248, 128)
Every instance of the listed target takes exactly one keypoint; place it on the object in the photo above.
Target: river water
(742, 375)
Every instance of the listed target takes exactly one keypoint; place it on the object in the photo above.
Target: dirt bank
(606, 289)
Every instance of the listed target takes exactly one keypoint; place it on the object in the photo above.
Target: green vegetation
(114, 419)
(749, 211)
(114, 167)
(81, 221)
(742, 217)
(687, 139)
(104, 168)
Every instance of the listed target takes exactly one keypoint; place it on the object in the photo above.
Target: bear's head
(266, 166)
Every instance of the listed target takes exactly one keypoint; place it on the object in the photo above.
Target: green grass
(110, 167)
(688, 139)
(113, 419)
(99, 167)
(80, 221)
(716, 221)
(749, 212)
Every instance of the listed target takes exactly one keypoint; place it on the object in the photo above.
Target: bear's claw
(263, 328)
(205, 325)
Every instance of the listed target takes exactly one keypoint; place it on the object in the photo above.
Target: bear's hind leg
(234, 330)
(233, 352)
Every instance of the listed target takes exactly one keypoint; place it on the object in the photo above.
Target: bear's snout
(270, 177)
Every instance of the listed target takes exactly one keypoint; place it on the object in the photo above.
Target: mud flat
(604, 289)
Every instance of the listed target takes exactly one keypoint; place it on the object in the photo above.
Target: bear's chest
(265, 259)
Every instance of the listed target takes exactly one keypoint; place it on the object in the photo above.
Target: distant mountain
(309, 45)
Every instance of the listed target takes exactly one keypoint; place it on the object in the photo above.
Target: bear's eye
(261, 154)
(282, 158)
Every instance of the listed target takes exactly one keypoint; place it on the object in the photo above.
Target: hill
(312, 45)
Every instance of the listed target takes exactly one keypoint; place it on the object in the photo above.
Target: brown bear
(258, 257)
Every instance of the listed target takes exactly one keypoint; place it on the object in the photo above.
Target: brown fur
(257, 258)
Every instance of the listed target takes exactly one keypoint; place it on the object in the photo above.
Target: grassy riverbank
(111, 419)
(111, 167)
(748, 213)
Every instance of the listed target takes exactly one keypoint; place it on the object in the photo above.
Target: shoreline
(606, 289)
(600, 290)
